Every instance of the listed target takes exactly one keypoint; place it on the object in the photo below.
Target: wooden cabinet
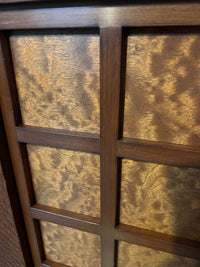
(101, 111)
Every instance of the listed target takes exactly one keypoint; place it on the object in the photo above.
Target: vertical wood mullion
(110, 52)
(10, 128)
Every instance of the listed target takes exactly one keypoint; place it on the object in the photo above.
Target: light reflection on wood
(70, 246)
(58, 80)
(161, 198)
(66, 179)
(162, 88)
(132, 255)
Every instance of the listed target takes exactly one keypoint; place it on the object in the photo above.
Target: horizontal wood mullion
(58, 138)
(158, 241)
(131, 16)
(66, 218)
(168, 154)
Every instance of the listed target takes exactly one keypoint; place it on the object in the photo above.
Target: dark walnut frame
(111, 23)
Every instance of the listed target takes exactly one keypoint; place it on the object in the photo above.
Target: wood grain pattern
(10, 250)
(159, 152)
(159, 241)
(162, 88)
(70, 246)
(161, 198)
(110, 91)
(66, 179)
(155, 14)
(6, 102)
(58, 138)
(10, 191)
(66, 218)
(58, 80)
(132, 255)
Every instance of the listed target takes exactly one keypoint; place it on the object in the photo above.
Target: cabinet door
(101, 110)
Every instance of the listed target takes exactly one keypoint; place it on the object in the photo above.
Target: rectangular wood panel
(58, 80)
(66, 179)
(132, 255)
(70, 246)
(161, 198)
(162, 88)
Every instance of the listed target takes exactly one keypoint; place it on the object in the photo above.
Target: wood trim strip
(168, 154)
(110, 47)
(6, 164)
(49, 263)
(175, 245)
(58, 138)
(130, 16)
(66, 218)
(9, 122)
(158, 235)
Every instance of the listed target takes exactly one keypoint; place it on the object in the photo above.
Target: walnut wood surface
(10, 201)
(66, 218)
(58, 80)
(159, 152)
(161, 198)
(75, 141)
(158, 241)
(66, 179)
(164, 14)
(133, 255)
(162, 93)
(110, 91)
(70, 246)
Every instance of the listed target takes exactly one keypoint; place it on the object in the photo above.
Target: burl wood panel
(161, 198)
(132, 255)
(162, 94)
(10, 250)
(66, 179)
(58, 80)
(70, 246)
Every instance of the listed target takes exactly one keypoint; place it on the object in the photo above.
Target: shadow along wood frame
(7, 169)
(111, 146)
